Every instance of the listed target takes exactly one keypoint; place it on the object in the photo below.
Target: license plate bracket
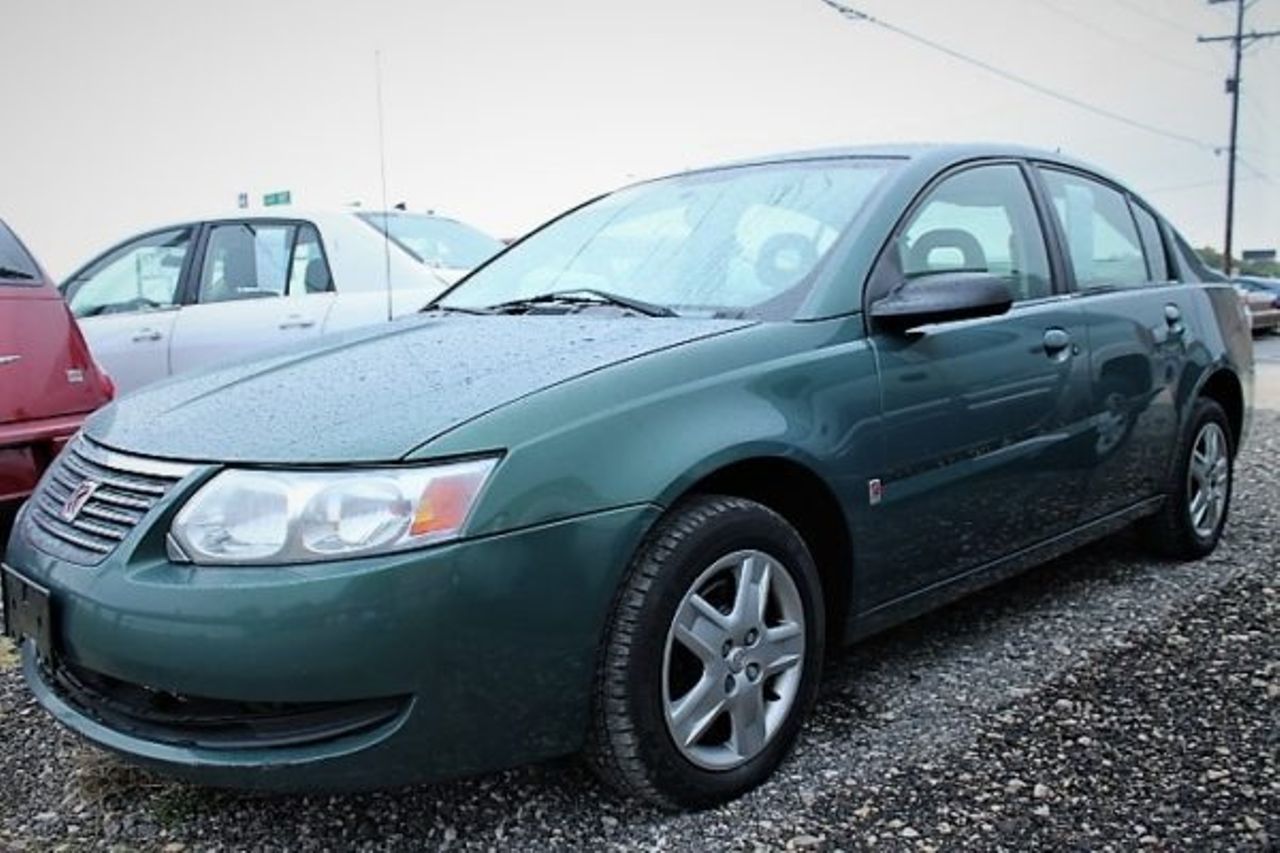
(28, 612)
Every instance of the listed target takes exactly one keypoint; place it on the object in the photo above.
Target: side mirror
(942, 297)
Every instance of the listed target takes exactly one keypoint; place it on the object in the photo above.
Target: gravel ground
(1103, 702)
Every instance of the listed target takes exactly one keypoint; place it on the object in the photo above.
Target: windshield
(436, 242)
(739, 241)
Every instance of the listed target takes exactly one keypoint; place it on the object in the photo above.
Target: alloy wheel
(733, 660)
(1208, 479)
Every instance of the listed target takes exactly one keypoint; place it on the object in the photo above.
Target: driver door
(126, 303)
(981, 416)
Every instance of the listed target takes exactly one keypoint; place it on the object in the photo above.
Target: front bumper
(26, 449)
(489, 647)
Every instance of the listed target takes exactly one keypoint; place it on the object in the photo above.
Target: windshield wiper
(453, 309)
(586, 296)
(15, 275)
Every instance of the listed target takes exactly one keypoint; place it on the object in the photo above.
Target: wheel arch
(1223, 387)
(800, 495)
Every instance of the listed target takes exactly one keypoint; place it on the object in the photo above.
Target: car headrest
(317, 276)
(946, 238)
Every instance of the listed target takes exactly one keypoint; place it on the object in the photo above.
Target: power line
(1147, 13)
(1195, 185)
(853, 14)
(1132, 44)
(1257, 173)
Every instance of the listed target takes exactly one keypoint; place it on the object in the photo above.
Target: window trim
(886, 269)
(1135, 205)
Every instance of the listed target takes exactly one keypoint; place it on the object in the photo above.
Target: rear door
(127, 301)
(981, 416)
(259, 284)
(1139, 333)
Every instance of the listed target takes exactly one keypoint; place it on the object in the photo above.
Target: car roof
(309, 214)
(935, 155)
(315, 214)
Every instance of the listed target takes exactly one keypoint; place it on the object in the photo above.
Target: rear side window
(16, 266)
(1102, 238)
(245, 261)
(1152, 244)
(252, 260)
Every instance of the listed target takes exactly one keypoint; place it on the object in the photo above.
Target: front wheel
(712, 656)
(1190, 523)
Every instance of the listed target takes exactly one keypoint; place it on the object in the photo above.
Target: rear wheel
(712, 656)
(1190, 523)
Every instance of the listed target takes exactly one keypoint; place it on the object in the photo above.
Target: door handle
(145, 335)
(296, 322)
(1173, 319)
(1057, 344)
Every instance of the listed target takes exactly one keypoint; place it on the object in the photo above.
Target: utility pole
(1238, 42)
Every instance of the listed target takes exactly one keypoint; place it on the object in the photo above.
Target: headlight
(276, 517)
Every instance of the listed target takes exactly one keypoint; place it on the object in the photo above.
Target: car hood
(377, 393)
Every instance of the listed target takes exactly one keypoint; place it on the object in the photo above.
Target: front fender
(644, 431)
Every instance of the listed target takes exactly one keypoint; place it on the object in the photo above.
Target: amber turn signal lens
(445, 503)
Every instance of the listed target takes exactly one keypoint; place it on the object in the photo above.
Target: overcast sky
(125, 114)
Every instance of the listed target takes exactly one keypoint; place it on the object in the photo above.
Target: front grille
(122, 490)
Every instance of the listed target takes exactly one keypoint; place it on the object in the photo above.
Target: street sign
(275, 199)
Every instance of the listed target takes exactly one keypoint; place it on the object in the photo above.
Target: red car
(48, 380)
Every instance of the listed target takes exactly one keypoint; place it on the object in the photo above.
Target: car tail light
(108, 384)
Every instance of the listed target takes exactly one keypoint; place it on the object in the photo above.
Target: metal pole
(1238, 44)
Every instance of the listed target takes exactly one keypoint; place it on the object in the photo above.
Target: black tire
(1170, 532)
(630, 746)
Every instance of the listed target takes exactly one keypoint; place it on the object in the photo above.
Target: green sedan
(621, 491)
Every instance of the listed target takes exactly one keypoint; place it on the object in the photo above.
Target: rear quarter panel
(1227, 343)
(51, 372)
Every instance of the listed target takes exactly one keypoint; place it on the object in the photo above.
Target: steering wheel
(783, 259)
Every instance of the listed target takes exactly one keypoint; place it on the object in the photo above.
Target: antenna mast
(382, 166)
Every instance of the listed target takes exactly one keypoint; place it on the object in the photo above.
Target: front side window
(734, 242)
(16, 266)
(139, 276)
(980, 220)
(1102, 238)
(245, 260)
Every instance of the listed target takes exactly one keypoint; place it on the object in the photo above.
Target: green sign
(273, 199)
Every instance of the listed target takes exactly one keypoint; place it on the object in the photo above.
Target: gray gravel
(1103, 702)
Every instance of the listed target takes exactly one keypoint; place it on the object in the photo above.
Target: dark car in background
(623, 488)
(48, 380)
